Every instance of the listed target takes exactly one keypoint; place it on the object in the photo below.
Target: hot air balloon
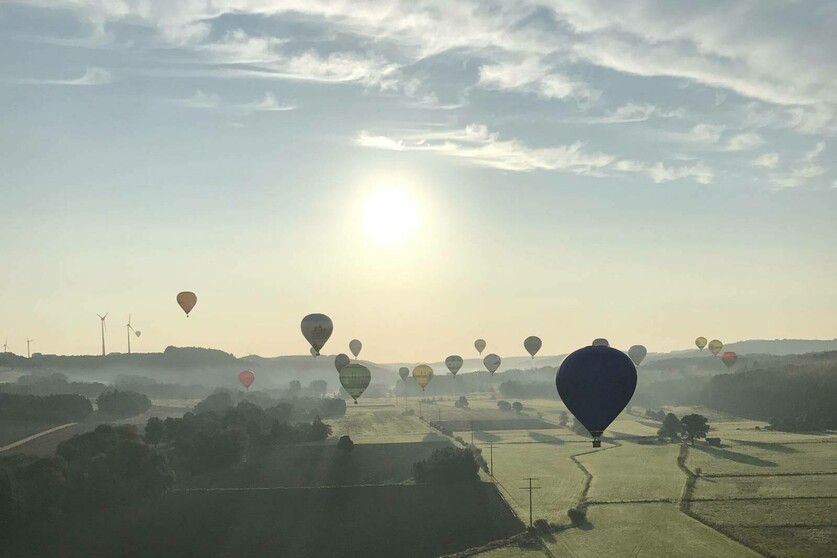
(355, 346)
(479, 345)
(700, 342)
(637, 353)
(532, 345)
(729, 359)
(600, 342)
(187, 301)
(137, 333)
(246, 378)
(404, 372)
(312, 351)
(715, 347)
(491, 362)
(355, 379)
(454, 363)
(422, 374)
(596, 383)
(317, 329)
(340, 361)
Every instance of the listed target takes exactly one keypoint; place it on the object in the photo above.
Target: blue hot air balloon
(596, 383)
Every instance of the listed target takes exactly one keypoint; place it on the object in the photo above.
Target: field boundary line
(36, 436)
(686, 500)
(762, 475)
(756, 498)
(588, 476)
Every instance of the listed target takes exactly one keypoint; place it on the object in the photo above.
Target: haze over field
(584, 169)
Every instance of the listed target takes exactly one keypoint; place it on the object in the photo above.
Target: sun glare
(389, 216)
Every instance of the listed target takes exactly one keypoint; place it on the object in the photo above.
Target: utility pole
(420, 415)
(440, 417)
(472, 433)
(491, 454)
(530, 488)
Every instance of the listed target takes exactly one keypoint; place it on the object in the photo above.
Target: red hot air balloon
(246, 378)
(729, 359)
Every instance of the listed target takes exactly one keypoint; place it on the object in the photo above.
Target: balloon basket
(597, 443)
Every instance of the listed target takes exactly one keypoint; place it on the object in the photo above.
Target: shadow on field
(546, 438)
(737, 457)
(434, 437)
(770, 446)
(486, 436)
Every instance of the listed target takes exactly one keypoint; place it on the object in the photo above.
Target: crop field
(634, 472)
(14, 430)
(320, 465)
(751, 457)
(385, 425)
(750, 486)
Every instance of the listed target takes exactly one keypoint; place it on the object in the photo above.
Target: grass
(790, 542)
(748, 458)
(387, 425)
(764, 513)
(644, 530)
(402, 520)
(766, 487)
(14, 430)
(635, 472)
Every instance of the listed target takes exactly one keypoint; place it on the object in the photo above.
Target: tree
(123, 403)
(219, 401)
(518, 407)
(294, 388)
(462, 402)
(504, 405)
(447, 465)
(318, 388)
(578, 516)
(345, 444)
(319, 430)
(671, 428)
(695, 426)
(155, 429)
(563, 419)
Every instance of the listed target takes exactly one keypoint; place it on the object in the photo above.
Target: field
(14, 430)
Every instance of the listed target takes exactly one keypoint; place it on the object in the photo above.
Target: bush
(518, 407)
(123, 403)
(578, 516)
(345, 444)
(504, 406)
(447, 465)
(462, 402)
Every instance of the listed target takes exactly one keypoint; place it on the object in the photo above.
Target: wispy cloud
(744, 142)
(533, 76)
(703, 133)
(478, 145)
(268, 103)
(200, 100)
(767, 160)
(633, 112)
(91, 76)
(803, 170)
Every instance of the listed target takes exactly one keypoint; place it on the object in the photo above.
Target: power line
(530, 488)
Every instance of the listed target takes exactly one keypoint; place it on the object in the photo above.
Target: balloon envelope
(715, 347)
(729, 359)
(355, 379)
(600, 342)
(246, 378)
(422, 374)
(187, 301)
(596, 383)
(491, 362)
(312, 351)
(532, 345)
(137, 333)
(340, 361)
(454, 363)
(404, 372)
(479, 345)
(700, 342)
(637, 353)
(355, 346)
(316, 328)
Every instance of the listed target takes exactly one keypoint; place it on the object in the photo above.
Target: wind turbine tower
(28, 341)
(130, 330)
(6, 345)
(104, 327)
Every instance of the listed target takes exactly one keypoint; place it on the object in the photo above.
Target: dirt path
(36, 436)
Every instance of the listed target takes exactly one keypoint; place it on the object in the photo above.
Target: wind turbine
(104, 327)
(130, 329)
(27, 347)
(6, 345)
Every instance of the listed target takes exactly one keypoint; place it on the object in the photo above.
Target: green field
(634, 472)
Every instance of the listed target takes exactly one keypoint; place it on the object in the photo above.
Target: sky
(424, 172)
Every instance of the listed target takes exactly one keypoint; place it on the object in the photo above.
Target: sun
(390, 216)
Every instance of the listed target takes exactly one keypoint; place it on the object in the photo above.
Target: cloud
(744, 142)
(532, 76)
(704, 133)
(478, 145)
(768, 160)
(803, 170)
(92, 76)
(633, 112)
(267, 103)
(200, 100)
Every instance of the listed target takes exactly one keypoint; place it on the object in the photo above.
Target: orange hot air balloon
(246, 378)
(729, 359)
(187, 301)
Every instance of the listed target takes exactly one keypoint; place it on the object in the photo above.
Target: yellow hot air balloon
(479, 345)
(355, 379)
(715, 347)
(187, 301)
(700, 342)
(422, 374)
